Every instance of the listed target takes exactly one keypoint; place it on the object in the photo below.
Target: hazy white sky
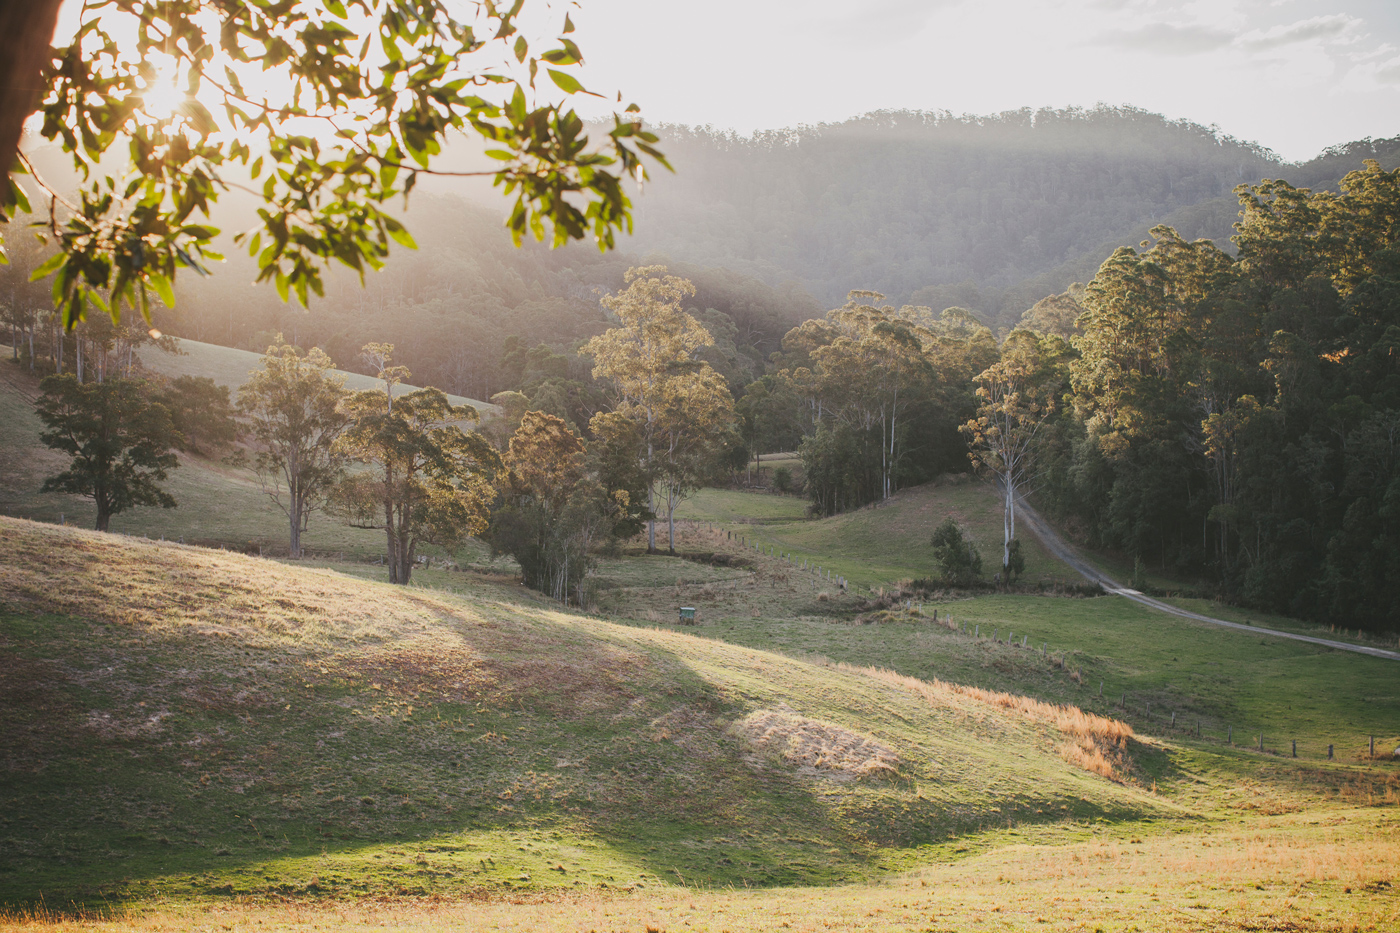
(1293, 75)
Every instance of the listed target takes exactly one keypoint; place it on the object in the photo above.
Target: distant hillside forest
(1233, 419)
(989, 213)
(464, 308)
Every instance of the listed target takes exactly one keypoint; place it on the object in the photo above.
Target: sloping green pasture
(879, 544)
(188, 723)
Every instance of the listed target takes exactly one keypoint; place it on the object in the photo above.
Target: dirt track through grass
(1052, 542)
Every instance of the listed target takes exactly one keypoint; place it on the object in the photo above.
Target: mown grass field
(1226, 683)
(1288, 872)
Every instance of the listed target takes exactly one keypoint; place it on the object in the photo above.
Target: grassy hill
(1164, 674)
(190, 723)
(1150, 666)
(881, 543)
(181, 727)
(186, 728)
(230, 367)
(218, 504)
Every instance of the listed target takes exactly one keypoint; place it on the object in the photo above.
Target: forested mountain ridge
(458, 306)
(987, 212)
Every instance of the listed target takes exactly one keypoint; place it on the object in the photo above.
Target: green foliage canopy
(325, 111)
(681, 405)
(119, 440)
(552, 511)
(201, 413)
(879, 392)
(429, 481)
(291, 405)
(958, 559)
(1237, 418)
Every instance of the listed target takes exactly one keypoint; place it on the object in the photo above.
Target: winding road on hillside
(1061, 549)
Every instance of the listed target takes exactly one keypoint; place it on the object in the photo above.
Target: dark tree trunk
(26, 32)
(294, 540)
(104, 509)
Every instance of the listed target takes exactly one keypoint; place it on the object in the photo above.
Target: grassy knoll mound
(192, 723)
(882, 543)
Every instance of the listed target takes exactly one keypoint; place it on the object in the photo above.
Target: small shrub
(782, 479)
(957, 557)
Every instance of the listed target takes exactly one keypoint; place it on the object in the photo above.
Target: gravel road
(1031, 520)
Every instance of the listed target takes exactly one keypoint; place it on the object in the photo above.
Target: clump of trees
(871, 396)
(425, 480)
(202, 412)
(567, 489)
(680, 404)
(958, 559)
(552, 512)
(1236, 418)
(1239, 417)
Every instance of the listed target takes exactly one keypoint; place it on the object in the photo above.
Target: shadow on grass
(514, 753)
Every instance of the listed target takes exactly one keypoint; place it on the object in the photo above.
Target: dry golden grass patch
(166, 588)
(399, 646)
(817, 748)
(1094, 743)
